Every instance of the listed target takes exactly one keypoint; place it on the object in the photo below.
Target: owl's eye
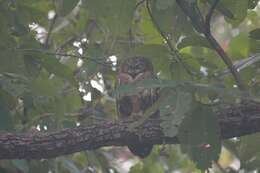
(139, 66)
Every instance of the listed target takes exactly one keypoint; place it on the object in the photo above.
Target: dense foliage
(58, 63)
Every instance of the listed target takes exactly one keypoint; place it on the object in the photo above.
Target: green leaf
(151, 167)
(6, 122)
(53, 96)
(7, 100)
(161, 5)
(32, 65)
(193, 41)
(173, 110)
(151, 110)
(191, 9)
(199, 135)
(158, 54)
(116, 15)
(19, 29)
(70, 166)
(178, 72)
(255, 34)
(53, 65)
(223, 9)
(42, 166)
(90, 67)
(137, 168)
(64, 7)
(238, 8)
(22, 165)
(174, 23)
(239, 46)
(252, 4)
(131, 89)
(14, 84)
(151, 35)
(44, 86)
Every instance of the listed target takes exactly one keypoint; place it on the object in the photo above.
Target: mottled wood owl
(133, 70)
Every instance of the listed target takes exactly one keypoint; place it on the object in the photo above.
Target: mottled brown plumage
(133, 70)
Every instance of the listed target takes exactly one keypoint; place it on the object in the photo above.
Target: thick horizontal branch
(234, 121)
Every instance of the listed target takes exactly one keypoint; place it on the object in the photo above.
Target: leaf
(6, 122)
(64, 7)
(151, 35)
(255, 34)
(223, 9)
(238, 8)
(179, 72)
(14, 84)
(116, 15)
(158, 54)
(151, 167)
(161, 5)
(69, 165)
(151, 110)
(53, 65)
(22, 165)
(191, 9)
(19, 29)
(137, 168)
(173, 110)
(239, 46)
(175, 23)
(52, 95)
(42, 166)
(91, 67)
(7, 100)
(32, 65)
(252, 4)
(44, 86)
(193, 41)
(131, 89)
(199, 135)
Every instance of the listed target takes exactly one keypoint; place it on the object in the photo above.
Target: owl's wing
(147, 96)
(124, 107)
(124, 103)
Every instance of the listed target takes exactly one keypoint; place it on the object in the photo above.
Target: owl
(133, 70)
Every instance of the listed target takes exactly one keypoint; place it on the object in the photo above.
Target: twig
(46, 43)
(215, 45)
(139, 3)
(68, 55)
(88, 30)
(213, 42)
(168, 42)
(209, 15)
(66, 42)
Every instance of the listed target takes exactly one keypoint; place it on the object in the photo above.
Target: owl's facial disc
(137, 66)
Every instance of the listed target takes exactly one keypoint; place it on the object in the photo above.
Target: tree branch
(95, 60)
(46, 43)
(213, 42)
(209, 15)
(236, 120)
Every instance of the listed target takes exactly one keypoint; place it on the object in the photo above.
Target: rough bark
(234, 121)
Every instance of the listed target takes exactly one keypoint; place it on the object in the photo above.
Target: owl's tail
(140, 149)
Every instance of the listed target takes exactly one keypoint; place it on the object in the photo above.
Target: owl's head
(136, 65)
